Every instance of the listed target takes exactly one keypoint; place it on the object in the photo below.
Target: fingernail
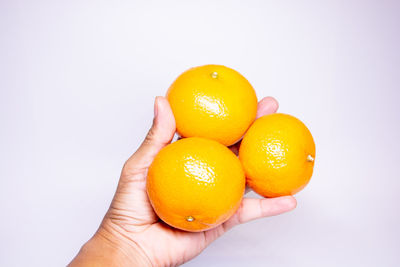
(287, 202)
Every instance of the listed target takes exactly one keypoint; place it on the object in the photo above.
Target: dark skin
(131, 234)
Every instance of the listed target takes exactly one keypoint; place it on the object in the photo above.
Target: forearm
(99, 251)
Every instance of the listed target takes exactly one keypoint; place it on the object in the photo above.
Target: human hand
(131, 234)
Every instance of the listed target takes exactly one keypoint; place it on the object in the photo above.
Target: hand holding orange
(196, 183)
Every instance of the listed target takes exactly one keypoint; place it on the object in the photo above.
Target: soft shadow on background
(77, 84)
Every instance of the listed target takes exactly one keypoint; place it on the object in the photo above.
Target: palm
(132, 215)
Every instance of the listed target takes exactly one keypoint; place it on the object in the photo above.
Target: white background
(78, 80)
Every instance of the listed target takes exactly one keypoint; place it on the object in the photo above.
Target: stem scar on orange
(278, 155)
(214, 102)
(195, 184)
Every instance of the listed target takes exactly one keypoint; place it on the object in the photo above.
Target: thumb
(160, 134)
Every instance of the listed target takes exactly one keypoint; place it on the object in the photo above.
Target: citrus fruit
(214, 102)
(195, 184)
(277, 154)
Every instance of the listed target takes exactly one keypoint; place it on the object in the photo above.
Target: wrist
(103, 249)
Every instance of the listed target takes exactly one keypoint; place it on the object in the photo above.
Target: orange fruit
(277, 154)
(195, 184)
(214, 102)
